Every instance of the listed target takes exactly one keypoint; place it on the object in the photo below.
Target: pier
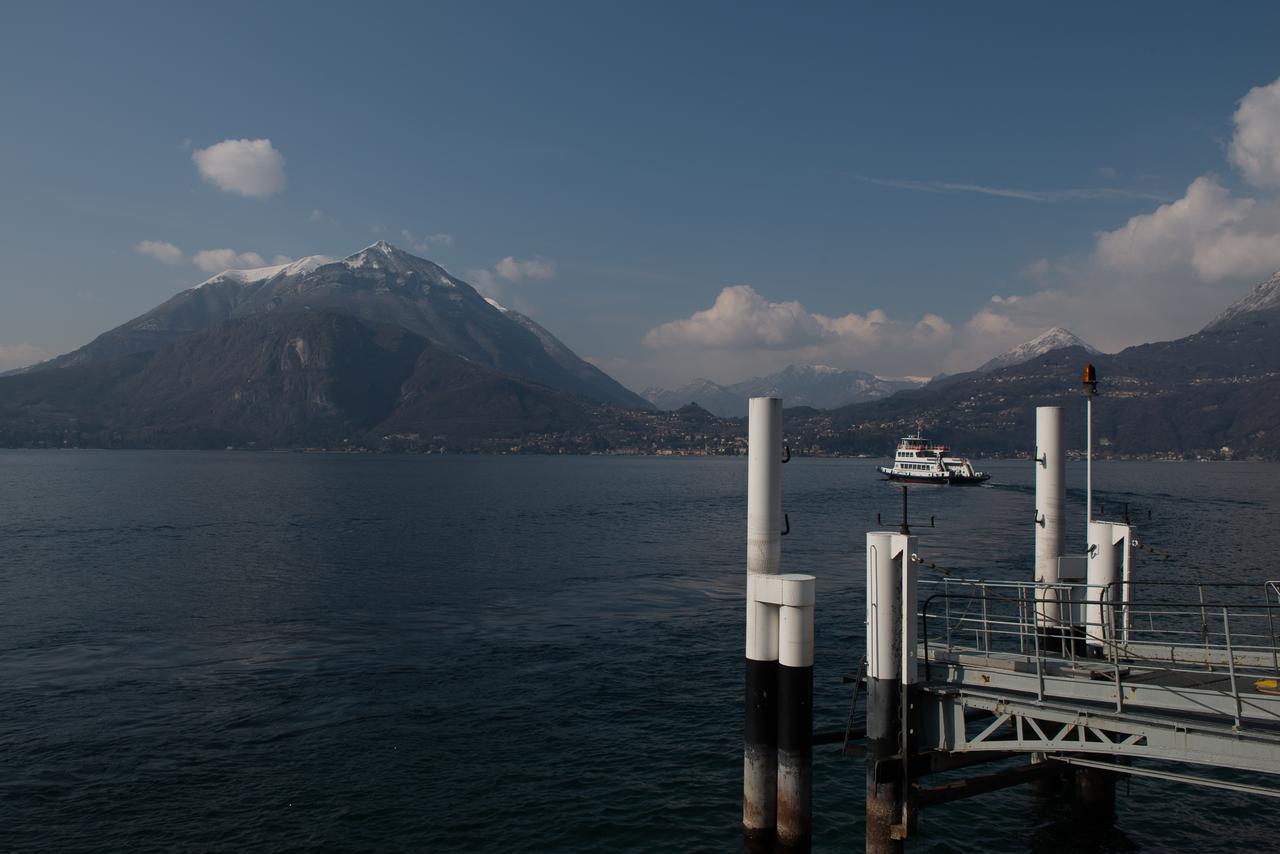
(1083, 672)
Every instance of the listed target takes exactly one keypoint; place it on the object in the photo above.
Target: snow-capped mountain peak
(381, 257)
(261, 274)
(1261, 297)
(1046, 342)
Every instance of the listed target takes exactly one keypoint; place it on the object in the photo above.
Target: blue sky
(711, 189)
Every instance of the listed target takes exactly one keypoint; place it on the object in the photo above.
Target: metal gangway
(1185, 672)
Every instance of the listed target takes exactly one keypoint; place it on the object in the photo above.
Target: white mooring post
(764, 548)
(777, 775)
(891, 676)
(795, 712)
(1108, 584)
(1051, 494)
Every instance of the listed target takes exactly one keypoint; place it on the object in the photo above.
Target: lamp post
(1090, 391)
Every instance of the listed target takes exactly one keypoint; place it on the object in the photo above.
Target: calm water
(228, 651)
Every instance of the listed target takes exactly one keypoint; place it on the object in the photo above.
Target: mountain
(1216, 392)
(709, 395)
(281, 379)
(818, 386)
(382, 285)
(1262, 299)
(1046, 342)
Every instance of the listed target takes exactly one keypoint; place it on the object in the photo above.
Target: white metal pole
(1050, 496)
(764, 549)
(1088, 468)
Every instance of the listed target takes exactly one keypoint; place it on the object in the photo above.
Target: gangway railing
(1189, 640)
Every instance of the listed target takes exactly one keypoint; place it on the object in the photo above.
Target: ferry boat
(920, 461)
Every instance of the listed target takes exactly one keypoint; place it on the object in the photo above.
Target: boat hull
(890, 474)
(955, 479)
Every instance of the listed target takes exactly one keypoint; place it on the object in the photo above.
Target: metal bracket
(786, 525)
(786, 454)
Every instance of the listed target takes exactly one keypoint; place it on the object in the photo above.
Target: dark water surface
(233, 651)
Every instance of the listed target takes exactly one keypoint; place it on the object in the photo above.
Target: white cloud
(1036, 270)
(281, 259)
(745, 328)
(1255, 148)
(162, 251)
(534, 268)
(317, 215)
(1167, 237)
(250, 167)
(217, 260)
(20, 355)
(741, 319)
(427, 242)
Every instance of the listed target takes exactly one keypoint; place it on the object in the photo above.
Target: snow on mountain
(261, 274)
(1263, 296)
(1046, 342)
(380, 284)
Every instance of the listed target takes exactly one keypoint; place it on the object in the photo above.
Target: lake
(288, 652)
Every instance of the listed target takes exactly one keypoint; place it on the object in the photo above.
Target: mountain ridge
(380, 284)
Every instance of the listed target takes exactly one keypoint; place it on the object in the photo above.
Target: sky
(676, 190)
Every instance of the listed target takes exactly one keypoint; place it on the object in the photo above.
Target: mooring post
(1050, 496)
(891, 676)
(795, 713)
(764, 548)
(1103, 586)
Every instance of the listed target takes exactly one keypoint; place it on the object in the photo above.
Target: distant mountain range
(823, 387)
(818, 386)
(1213, 393)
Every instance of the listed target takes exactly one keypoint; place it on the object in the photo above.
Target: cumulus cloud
(1164, 273)
(20, 355)
(162, 251)
(534, 268)
(741, 321)
(1167, 237)
(217, 260)
(1255, 147)
(250, 167)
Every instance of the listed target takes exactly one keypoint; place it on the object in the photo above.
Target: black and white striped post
(891, 679)
(777, 772)
(795, 712)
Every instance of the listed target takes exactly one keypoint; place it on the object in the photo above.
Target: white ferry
(920, 461)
